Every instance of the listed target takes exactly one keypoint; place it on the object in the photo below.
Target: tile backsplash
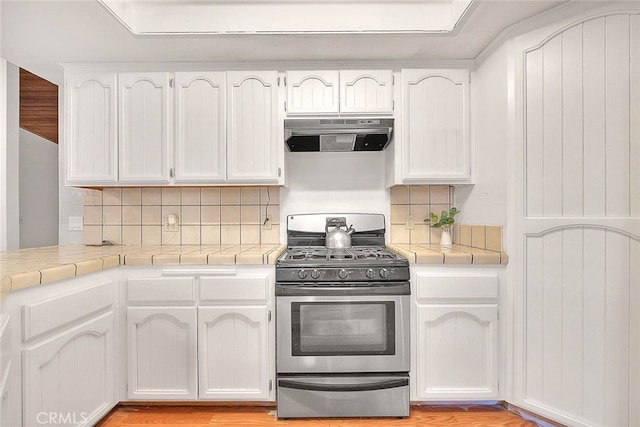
(206, 215)
(479, 236)
(412, 204)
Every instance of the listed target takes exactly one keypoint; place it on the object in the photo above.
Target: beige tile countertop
(29, 267)
(456, 254)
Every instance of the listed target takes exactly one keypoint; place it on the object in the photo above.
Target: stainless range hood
(337, 134)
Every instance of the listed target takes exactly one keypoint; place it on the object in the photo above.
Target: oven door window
(342, 328)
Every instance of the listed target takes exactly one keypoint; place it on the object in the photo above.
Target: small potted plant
(444, 222)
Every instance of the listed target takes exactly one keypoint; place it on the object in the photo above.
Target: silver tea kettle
(338, 238)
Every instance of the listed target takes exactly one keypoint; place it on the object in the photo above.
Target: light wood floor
(252, 416)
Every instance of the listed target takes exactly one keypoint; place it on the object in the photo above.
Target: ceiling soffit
(162, 17)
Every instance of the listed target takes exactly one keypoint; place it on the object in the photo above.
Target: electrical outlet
(266, 225)
(408, 222)
(75, 223)
(171, 223)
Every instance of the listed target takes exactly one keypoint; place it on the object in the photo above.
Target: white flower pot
(445, 238)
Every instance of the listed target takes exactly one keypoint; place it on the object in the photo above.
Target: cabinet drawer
(457, 288)
(50, 314)
(161, 289)
(234, 288)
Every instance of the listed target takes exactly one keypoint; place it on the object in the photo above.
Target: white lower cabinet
(68, 351)
(6, 402)
(455, 354)
(162, 353)
(69, 377)
(233, 352)
(6, 396)
(208, 335)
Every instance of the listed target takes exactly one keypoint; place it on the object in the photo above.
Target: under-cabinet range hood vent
(337, 134)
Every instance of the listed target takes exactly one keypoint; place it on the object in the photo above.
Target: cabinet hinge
(172, 173)
(269, 316)
(270, 385)
(171, 82)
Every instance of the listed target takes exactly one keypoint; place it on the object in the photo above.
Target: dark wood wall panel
(38, 106)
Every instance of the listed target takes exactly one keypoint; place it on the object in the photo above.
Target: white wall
(3, 154)
(13, 157)
(38, 191)
(69, 198)
(334, 182)
(486, 201)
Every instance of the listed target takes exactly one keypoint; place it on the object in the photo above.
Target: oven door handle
(344, 387)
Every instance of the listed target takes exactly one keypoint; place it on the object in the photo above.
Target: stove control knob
(302, 274)
(384, 273)
(370, 273)
(315, 274)
(343, 274)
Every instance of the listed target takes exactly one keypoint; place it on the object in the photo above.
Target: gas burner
(339, 255)
(307, 260)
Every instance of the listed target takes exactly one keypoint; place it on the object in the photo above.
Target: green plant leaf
(446, 219)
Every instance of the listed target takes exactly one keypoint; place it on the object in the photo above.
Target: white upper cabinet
(144, 128)
(366, 91)
(435, 140)
(335, 92)
(200, 138)
(313, 92)
(254, 124)
(91, 133)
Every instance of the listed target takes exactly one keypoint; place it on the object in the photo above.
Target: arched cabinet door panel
(233, 353)
(91, 138)
(162, 353)
(435, 141)
(457, 351)
(313, 92)
(366, 91)
(71, 374)
(200, 134)
(145, 120)
(254, 149)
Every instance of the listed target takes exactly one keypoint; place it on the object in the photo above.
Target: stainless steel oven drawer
(343, 396)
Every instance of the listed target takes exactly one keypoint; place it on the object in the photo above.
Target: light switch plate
(75, 223)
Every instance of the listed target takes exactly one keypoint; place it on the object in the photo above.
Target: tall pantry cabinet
(577, 218)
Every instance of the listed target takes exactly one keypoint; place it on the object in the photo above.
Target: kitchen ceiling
(38, 35)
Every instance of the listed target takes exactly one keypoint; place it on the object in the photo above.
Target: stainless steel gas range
(342, 322)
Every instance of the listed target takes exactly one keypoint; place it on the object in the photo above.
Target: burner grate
(346, 254)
